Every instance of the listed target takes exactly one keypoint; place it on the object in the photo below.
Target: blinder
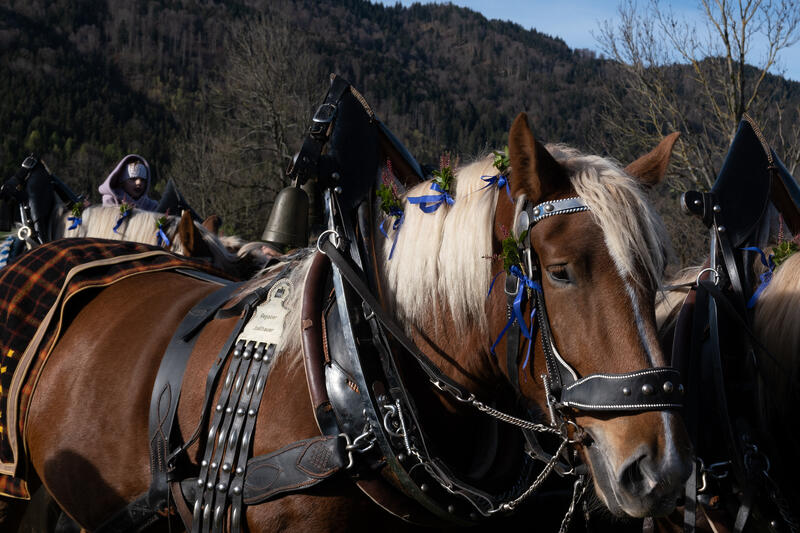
(649, 389)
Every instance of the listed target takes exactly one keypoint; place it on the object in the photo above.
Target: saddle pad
(34, 289)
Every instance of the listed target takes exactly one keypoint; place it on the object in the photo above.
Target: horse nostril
(631, 476)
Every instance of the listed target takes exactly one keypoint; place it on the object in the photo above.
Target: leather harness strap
(163, 405)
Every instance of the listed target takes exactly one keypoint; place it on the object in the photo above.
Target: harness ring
(707, 269)
(336, 243)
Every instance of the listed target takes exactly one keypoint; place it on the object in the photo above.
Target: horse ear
(192, 239)
(213, 223)
(534, 171)
(651, 168)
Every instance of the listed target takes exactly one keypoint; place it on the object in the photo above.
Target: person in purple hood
(129, 182)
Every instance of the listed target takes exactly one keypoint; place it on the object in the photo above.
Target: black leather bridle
(649, 389)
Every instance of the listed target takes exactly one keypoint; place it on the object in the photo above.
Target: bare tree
(238, 144)
(730, 57)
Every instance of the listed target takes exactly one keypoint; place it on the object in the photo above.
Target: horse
(731, 327)
(601, 250)
(179, 234)
(46, 215)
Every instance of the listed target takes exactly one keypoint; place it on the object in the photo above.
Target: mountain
(216, 94)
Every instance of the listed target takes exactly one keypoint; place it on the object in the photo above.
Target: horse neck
(777, 325)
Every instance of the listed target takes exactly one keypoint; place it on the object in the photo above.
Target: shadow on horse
(434, 377)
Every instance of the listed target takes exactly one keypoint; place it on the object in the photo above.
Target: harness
(370, 424)
(32, 188)
(714, 343)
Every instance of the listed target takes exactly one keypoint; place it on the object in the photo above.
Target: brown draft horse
(87, 435)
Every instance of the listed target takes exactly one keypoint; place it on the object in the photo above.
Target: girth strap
(167, 388)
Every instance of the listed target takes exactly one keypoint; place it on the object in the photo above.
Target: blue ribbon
(499, 180)
(122, 217)
(400, 216)
(162, 237)
(76, 221)
(765, 277)
(435, 200)
(517, 315)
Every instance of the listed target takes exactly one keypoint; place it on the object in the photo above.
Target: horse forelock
(634, 233)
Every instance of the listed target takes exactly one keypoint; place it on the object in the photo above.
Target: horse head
(590, 252)
(599, 271)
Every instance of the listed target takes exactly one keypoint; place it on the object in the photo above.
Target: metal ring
(24, 233)
(707, 269)
(336, 243)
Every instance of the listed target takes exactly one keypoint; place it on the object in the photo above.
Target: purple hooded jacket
(112, 191)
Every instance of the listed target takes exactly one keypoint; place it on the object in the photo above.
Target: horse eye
(559, 274)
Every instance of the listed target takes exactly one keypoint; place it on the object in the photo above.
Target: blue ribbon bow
(161, 237)
(765, 277)
(516, 315)
(76, 221)
(500, 180)
(399, 216)
(431, 202)
(121, 218)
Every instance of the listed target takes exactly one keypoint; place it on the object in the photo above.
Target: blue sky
(575, 21)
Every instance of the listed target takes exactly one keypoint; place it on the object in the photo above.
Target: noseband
(649, 389)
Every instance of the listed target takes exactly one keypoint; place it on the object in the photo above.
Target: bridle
(648, 389)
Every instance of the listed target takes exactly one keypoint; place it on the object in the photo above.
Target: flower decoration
(390, 203)
(503, 165)
(124, 212)
(161, 237)
(441, 183)
(76, 218)
(783, 251)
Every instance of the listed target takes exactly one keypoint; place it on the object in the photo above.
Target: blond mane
(776, 322)
(441, 257)
(140, 226)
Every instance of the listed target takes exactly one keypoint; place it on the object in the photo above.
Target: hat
(135, 170)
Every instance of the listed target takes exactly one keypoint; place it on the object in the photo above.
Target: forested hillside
(216, 94)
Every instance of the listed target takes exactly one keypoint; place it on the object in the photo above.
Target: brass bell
(287, 226)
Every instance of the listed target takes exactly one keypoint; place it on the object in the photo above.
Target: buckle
(29, 162)
(321, 119)
(512, 285)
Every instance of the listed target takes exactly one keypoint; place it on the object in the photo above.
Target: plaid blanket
(29, 288)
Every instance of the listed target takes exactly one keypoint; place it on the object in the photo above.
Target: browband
(543, 210)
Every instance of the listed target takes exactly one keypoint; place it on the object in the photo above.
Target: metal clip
(337, 240)
(322, 118)
(361, 444)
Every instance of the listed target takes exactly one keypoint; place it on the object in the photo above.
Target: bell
(287, 226)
